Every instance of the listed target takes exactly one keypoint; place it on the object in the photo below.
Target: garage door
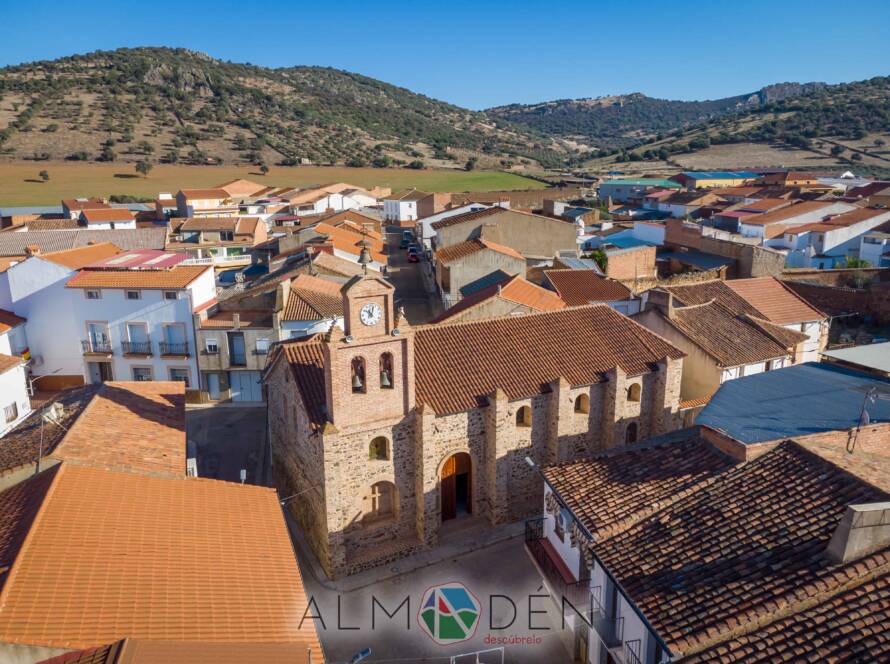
(245, 386)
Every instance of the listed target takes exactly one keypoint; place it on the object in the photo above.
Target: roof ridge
(428, 326)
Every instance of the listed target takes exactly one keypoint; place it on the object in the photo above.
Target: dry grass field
(20, 183)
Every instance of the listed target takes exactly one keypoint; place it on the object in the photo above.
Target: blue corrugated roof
(484, 282)
(795, 401)
(720, 175)
(30, 209)
(626, 242)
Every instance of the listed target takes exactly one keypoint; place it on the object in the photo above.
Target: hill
(627, 120)
(180, 106)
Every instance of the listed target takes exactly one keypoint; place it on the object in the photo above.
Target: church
(387, 435)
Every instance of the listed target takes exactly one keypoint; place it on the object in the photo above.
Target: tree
(143, 167)
(856, 263)
(382, 161)
(44, 175)
(837, 150)
(880, 142)
(471, 164)
(856, 157)
(601, 258)
(416, 165)
(107, 154)
(146, 148)
(264, 169)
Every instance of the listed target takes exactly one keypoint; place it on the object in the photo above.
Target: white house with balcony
(133, 315)
(402, 206)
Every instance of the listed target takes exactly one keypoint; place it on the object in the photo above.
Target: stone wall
(837, 300)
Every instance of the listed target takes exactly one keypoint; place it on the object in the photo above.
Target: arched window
(386, 371)
(633, 392)
(359, 384)
(630, 434)
(380, 501)
(582, 403)
(524, 417)
(378, 450)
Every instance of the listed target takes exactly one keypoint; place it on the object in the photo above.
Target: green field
(20, 183)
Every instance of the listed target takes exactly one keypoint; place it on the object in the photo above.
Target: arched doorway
(457, 486)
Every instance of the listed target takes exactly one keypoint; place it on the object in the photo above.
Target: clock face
(371, 313)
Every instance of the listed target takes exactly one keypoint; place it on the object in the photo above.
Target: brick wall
(637, 263)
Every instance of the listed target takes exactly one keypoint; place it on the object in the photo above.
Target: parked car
(405, 243)
(413, 248)
(413, 257)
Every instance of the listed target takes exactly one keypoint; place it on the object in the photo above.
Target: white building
(134, 317)
(874, 247)
(830, 242)
(424, 228)
(770, 227)
(402, 206)
(15, 404)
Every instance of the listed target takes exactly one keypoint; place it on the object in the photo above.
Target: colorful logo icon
(449, 613)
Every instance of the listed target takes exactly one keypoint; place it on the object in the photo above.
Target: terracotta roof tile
(9, 320)
(135, 426)
(456, 219)
(209, 224)
(706, 291)
(337, 265)
(75, 204)
(849, 627)
(112, 214)
(730, 339)
(790, 212)
(461, 250)
(774, 300)
(140, 651)
(313, 298)
(513, 289)
(350, 241)
(407, 195)
(458, 365)
(615, 490)
(205, 194)
(177, 277)
(577, 287)
(740, 548)
(81, 256)
(147, 557)
(21, 446)
(8, 362)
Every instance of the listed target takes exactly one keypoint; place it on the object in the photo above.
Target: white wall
(13, 389)
(301, 328)
(399, 210)
(651, 233)
(425, 231)
(871, 249)
(116, 225)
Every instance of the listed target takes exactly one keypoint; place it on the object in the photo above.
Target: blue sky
(484, 53)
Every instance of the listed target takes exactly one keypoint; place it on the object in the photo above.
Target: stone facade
(332, 470)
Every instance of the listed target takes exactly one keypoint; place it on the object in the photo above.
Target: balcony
(558, 576)
(142, 348)
(174, 349)
(96, 346)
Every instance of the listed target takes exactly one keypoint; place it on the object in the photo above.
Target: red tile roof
(8, 362)
(9, 320)
(456, 219)
(458, 365)
(617, 489)
(724, 558)
(174, 278)
(313, 298)
(578, 287)
(461, 250)
(141, 651)
(513, 289)
(81, 256)
(786, 213)
(775, 301)
(205, 194)
(103, 216)
(96, 555)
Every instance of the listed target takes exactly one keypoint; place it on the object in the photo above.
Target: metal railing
(136, 347)
(96, 345)
(632, 651)
(577, 592)
(171, 348)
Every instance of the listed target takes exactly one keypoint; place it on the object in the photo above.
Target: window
(630, 434)
(141, 373)
(11, 412)
(212, 346)
(358, 375)
(634, 392)
(92, 294)
(378, 450)
(180, 374)
(561, 522)
(171, 295)
(386, 371)
(381, 501)
(133, 295)
(226, 236)
(582, 403)
(524, 417)
(262, 346)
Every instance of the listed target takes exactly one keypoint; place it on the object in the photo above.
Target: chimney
(662, 300)
(32, 250)
(236, 321)
(863, 529)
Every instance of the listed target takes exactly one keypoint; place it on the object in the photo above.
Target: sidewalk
(481, 540)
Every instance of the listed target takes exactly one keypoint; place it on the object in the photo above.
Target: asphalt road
(420, 307)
